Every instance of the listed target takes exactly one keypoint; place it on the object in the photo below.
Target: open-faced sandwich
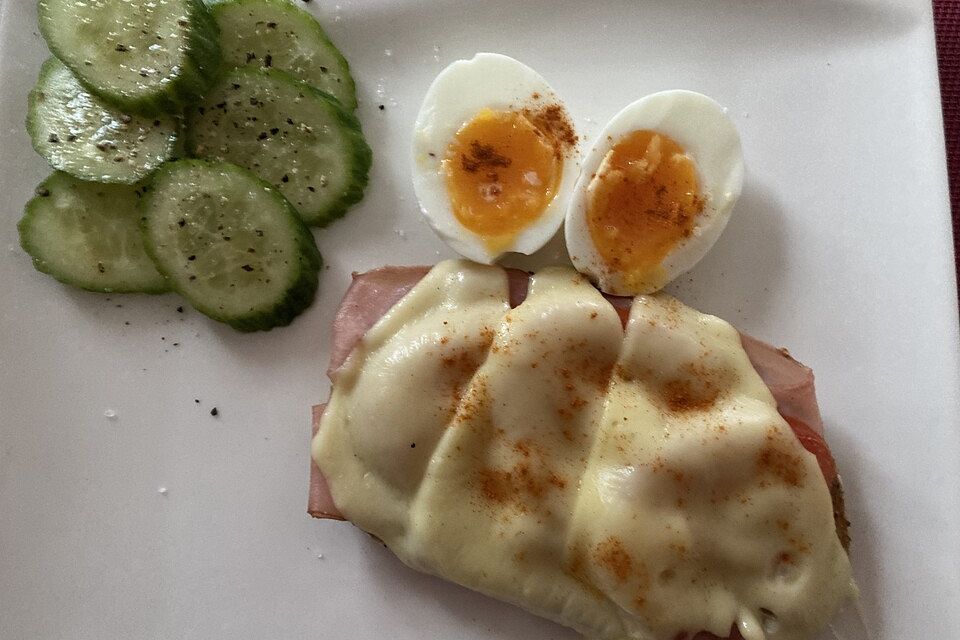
(628, 467)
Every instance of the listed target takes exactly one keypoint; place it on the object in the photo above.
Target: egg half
(495, 157)
(655, 193)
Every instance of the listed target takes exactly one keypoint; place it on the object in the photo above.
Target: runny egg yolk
(645, 200)
(501, 174)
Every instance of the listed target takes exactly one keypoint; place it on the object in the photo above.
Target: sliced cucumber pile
(230, 244)
(295, 137)
(78, 133)
(276, 34)
(87, 235)
(145, 57)
(254, 90)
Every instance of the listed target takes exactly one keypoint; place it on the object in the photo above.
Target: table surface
(946, 15)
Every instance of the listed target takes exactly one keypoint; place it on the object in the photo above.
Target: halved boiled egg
(655, 192)
(495, 157)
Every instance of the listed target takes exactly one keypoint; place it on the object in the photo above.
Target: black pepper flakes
(214, 412)
(247, 268)
(179, 309)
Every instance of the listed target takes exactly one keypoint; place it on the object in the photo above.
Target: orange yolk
(501, 174)
(645, 201)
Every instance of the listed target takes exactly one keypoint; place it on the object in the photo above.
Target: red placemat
(946, 17)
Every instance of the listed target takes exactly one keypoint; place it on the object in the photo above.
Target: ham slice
(373, 293)
(790, 382)
(370, 295)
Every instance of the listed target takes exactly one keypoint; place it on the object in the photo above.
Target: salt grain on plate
(162, 491)
(110, 414)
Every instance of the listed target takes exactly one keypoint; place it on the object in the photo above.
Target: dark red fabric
(946, 17)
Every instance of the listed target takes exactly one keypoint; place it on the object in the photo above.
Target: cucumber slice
(295, 137)
(79, 134)
(145, 57)
(230, 244)
(276, 34)
(87, 235)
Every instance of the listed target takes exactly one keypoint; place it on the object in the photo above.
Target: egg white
(700, 126)
(458, 93)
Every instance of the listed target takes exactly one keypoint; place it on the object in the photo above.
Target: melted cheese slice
(629, 485)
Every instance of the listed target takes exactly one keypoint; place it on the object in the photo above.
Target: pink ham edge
(790, 382)
(373, 293)
(321, 503)
(369, 297)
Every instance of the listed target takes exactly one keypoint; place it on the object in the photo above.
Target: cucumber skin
(26, 243)
(298, 296)
(362, 155)
(219, 6)
(34, 130)
(200, 69)
(359, 176)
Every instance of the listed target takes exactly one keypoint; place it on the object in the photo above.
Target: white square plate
(840, 249)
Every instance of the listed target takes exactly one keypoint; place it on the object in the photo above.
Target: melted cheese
(629, 485)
